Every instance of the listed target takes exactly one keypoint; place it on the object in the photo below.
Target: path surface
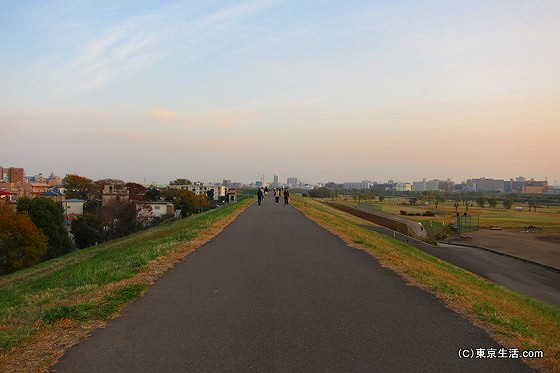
(525, 277)
(274, 292)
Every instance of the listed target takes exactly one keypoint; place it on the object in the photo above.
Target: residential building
(403, 187)
(423, 186)
(199, 188)
(362, 185)
(160, 208)
(38, 188)
(17, 190)
(488, 185)
(73, 206)
(535, 187)
(113, 192)
(231, 196)
(54, 195)
(15, 175)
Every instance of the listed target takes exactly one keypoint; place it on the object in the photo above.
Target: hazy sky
(319, 90)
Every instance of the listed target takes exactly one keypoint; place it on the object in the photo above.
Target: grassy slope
(48, 307)
(513, 319)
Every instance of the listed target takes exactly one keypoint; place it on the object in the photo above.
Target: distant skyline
(553, 183)
(323, 91)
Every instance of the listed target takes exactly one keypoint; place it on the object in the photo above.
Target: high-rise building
(293, 182)
(15, 175)
(276, 183)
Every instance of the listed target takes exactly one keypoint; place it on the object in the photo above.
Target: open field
(46, 308)
(513, 319)
(546, 218)
(541, 247)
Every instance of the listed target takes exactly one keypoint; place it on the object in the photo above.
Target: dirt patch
(549, 238)
(543, 248)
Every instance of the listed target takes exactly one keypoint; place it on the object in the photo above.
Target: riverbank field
(518, 217)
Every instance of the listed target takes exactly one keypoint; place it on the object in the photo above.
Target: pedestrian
(277, 194)
(286, 196)
(259, 195)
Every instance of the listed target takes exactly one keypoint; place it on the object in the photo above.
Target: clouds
(341, 90)
(127, 45)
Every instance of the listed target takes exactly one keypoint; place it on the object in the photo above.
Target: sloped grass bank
(513, 319)
(47, 308)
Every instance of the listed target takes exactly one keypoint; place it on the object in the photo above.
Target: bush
(87, 231)
(22, 244)
(48, 216)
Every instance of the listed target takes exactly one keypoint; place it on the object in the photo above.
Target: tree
(481, 201)
(136, 192)
(119, 218)
(22, 244)
(87, 231)
(381, 198)
(457, 203)
(532, 204)
(180, 182)
(77, 187)
(493, 202)
(508, 203)
(437, 198)
(320, 192)
(47, 215)
(190, 203)
(152, 194)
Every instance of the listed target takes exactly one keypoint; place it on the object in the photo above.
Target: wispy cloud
(137, 42)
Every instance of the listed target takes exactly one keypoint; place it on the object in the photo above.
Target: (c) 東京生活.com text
(499, 353)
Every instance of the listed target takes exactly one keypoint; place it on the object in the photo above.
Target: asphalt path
(274, 292)
(522, 276)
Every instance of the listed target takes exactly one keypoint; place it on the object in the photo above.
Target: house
(231, 196)
(54, 195)
(73, 206)
(114, 193)
(159, 208)
(5, 196)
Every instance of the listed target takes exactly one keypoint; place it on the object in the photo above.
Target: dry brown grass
(512, 319)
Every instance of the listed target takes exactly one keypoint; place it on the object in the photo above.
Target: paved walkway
(274, 292)
(522, 276)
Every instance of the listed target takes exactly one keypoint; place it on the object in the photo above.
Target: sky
(152, 91)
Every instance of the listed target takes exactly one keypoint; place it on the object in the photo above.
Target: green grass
(93, 283)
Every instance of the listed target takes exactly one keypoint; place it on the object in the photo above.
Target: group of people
(278, 192)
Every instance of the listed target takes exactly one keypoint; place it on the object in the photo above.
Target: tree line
(35, 231)
(467, 199)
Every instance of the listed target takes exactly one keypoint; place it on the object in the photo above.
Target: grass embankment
(513, 319)
(47, 308)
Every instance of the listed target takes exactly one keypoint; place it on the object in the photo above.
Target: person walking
(277, 194)
(286, 196)
(259, 195)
